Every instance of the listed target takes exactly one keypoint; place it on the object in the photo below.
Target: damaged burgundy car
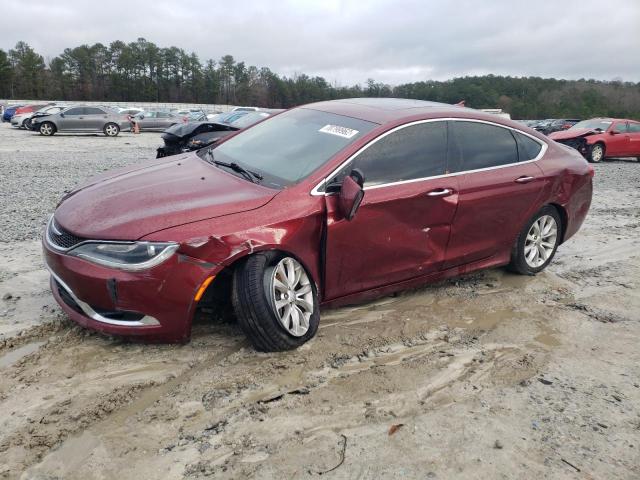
(326, 204)
(601, 138)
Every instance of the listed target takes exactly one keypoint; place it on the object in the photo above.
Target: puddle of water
(13, 356)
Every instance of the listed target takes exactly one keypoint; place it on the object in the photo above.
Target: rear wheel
(275, 301)
(596, 154)
(47, 129)
(111, 130)
(537, 242)
(28, 124)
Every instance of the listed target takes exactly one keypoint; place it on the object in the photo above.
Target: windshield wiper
(250, 175)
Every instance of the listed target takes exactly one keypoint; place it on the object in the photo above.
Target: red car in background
(601, 138)
(329, 203)
(29, 108)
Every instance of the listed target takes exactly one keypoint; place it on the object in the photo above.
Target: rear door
(95, 118)
(402, 227)
(499, 188)
(634, 139)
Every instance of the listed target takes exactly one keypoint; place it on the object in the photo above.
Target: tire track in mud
(65, 426)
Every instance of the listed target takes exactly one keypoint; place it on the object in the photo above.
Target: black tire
(24, 124)
(519, 263)
(47, 129)
(111, 129)
(254, 310)
(596, 153)
(28, 124)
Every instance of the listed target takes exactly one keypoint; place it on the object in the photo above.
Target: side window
(620, 127)
(412, 152)
(634, 127)
(528, 148)
(75, 111)
(93, 111)
(474, 145)
(150, 114)
(163, 115)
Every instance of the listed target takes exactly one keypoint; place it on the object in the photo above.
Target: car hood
(131, 203)
(573, 133)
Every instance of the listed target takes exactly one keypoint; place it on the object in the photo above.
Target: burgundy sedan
(326, 204)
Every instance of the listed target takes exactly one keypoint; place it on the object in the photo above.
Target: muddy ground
(492, 375)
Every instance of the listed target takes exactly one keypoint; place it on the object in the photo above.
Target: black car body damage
(186, 137)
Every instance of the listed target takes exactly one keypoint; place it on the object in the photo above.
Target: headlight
(131, 256)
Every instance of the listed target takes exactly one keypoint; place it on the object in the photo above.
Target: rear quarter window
(528, 148)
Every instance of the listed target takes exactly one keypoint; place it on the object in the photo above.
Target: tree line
(141, 71)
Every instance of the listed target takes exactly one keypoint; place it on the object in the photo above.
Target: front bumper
(156, 305)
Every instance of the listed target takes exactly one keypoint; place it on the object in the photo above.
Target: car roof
(392, 110)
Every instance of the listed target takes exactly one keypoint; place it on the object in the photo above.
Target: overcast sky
(349, 41)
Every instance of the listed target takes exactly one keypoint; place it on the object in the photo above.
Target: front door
(618, 141)
(72, 119)
(402, 227)
(499, 188)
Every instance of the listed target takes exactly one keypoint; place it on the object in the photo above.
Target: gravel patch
(37, 171)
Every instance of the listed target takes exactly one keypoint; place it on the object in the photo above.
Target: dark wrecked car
(601, 138)
(327, 204)
(191, 136)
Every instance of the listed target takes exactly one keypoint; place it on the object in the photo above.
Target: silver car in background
(83, 119)
(157, 120)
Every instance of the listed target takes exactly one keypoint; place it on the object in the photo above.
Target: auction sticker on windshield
(339, 131)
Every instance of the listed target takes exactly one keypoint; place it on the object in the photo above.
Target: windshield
(595, 124)
(248, 120)
(288, 147)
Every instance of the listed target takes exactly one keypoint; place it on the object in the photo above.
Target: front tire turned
(596, 153)
(47, 129)
(537, 243)
(275, 301)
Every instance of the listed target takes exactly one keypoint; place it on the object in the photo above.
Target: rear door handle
(525, 179)
(440, 192)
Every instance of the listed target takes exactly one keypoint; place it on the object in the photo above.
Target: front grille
(60, 238)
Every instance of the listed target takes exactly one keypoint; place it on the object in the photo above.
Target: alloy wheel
(597, 153)
(291, 296)
(541, 241)
(46, 129)
(111, 130)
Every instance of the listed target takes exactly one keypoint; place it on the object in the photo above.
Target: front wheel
(276, 302)
(537, 242)
(111, 130)
(596, 154)
(47, 129)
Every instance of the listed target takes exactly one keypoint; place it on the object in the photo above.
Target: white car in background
(24, 119)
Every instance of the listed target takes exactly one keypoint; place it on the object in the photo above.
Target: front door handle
(440, 192)
(525, 179)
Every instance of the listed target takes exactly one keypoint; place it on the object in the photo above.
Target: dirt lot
(489, 376)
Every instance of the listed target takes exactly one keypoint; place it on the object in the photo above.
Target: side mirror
(613, 132)
(62, 114)
(351, 194)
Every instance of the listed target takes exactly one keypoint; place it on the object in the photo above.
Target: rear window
(93, 111)
(474, 145)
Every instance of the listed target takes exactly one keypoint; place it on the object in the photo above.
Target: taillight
(592, 171)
